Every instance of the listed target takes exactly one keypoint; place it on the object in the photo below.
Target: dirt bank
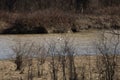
(57, 22)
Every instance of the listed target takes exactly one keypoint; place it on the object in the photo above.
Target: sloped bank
(59, 24)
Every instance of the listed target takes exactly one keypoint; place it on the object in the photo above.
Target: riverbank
(46, 22)
(10, 73)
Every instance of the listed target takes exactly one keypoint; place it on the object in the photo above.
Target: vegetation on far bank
(24, 17)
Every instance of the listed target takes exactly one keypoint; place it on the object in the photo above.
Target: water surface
(83, 41)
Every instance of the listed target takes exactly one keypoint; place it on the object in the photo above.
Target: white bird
(58, 38)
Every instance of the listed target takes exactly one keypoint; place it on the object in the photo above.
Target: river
(83, 41)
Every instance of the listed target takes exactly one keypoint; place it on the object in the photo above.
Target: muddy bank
(61, 24)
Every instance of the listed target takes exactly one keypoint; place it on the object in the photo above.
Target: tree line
(72, 5)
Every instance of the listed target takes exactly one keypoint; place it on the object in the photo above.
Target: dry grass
(83, 63)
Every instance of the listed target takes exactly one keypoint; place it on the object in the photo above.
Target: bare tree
(107, 54)
(20, 50)
(40, 54)
(23, 53)
(30, 56)
(67, 57)
(52, 52)
(63, 60)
